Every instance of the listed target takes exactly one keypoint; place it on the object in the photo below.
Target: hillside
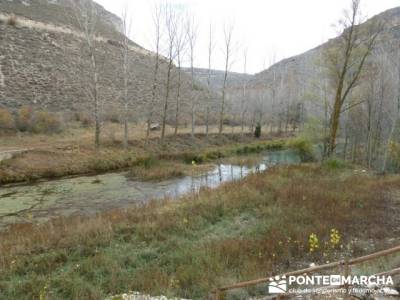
(42, 61)
(302, 78)
(217, 77)
(59, 12)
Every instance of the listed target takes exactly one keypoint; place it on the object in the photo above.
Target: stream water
(90, 194)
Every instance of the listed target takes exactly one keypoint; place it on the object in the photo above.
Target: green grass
(240, 231)
(335, 164)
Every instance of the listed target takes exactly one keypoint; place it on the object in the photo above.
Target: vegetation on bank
(156, 170)
(40, 164)
(26, 119)
(264, 224)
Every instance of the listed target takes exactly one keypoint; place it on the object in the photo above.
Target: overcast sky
(267, 28)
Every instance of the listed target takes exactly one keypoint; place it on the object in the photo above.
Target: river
(90, 194)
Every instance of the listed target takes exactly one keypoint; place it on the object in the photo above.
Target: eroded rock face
(58, 12)
(44, 62)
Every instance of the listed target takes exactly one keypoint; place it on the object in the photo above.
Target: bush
(25, 118)
(146, 162)
(303, 147)
(190, 158)
(6, 120)
(37, 122)
(334, 164)
(84, 119)
(112, 116)
(211, 155)
(12, 20)
(257, 132)
(46, 122)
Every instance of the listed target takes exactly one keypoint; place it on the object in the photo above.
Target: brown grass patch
(76, 159)
(239, 231)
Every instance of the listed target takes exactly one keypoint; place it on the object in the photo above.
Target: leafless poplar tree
(395, 120)
(209, 92)
(171, 27)
(243, 104)
(86, 16)
(192, 33)
(157, 19)
(126, 26)
(228, 32)
(180, 48)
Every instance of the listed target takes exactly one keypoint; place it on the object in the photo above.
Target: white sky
(267, 28)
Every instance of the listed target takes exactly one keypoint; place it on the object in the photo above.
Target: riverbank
(69, 160)
(239, 231)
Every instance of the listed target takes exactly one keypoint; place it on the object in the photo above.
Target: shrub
(46, 122)
(146, 162)
(211, 155)
(25, 118)
(334, 164)
(112, 116)
(12, 20)
(304, 148)
(190, 158)
(6, 120)
(257, 132)
(84, 119)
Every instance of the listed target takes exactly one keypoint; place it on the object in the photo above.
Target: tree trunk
(153, 98)
(96, 103)
(335, 118)
(193, 118)
(178, 100)
(165, 108)
(126, 109)
(207, 119)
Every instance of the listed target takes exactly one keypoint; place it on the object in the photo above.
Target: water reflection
(225, 173)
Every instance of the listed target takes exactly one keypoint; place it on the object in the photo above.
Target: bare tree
(157, 19)
(347, 60)
(396, 118)
(209, 93)
(126, 26)
(228, 32)
(171, 27)
(86, 17)
(243, 105)
(180, 48)
(192, 33)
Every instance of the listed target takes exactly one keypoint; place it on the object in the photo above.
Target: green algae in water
(88, 194)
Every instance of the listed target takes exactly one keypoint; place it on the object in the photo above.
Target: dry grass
(112, 133)
(73, 159)
(247, 160)
(239, 231)
(159, 170)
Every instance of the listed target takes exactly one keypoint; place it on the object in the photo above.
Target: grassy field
(239, 231)
(68, 154)
(112, 133)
